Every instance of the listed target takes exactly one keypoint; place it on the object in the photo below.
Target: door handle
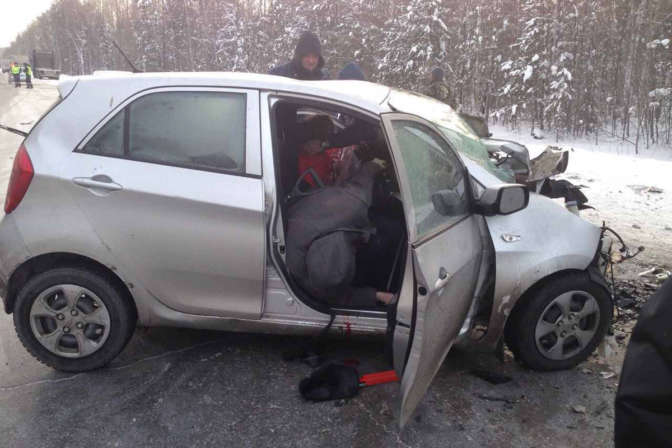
(98, 182)
(444, 278)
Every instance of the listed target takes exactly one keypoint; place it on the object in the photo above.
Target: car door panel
(440, 313)
(446, 253)
(195, 239)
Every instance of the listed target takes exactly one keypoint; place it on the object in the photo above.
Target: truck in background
(44, 64)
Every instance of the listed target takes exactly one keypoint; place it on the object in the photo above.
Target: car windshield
(453, 128)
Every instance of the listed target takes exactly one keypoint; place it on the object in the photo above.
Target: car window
(431, 167)
(191, 129)
(476, 151)
(202, 130)
(109, 140)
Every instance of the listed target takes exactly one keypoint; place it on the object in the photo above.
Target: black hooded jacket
(308, 43)
(644, 398)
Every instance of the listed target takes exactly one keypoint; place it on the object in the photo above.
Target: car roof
(365, 95)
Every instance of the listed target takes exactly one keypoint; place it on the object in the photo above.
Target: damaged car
(173, 199)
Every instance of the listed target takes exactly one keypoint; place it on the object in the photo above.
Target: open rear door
(445, 252)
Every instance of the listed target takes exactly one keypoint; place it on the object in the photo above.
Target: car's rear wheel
(561, 323)
(73, 319)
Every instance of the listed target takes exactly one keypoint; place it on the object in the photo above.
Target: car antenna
(128, 61)
(14, 130)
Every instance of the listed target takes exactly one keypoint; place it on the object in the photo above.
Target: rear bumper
(13, 252)
(3, 295)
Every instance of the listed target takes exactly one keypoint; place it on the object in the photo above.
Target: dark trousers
(17, 80)
(29, 82)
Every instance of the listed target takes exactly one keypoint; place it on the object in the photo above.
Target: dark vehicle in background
(44, 64)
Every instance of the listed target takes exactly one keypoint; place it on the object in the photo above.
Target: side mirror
(503, 200)
(448, 203)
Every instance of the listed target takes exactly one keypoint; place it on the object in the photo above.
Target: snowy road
(173, 387)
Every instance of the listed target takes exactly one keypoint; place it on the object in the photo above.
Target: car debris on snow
(606, 374)
(629, 298)
(658, 273)
(642, 189)
(578, 409)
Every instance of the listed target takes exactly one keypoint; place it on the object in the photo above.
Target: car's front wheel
(561, 323)
(73, 319)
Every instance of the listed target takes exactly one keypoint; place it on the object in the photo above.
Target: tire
(560, 323)
(79, 314)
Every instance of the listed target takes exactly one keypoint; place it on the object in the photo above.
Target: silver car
(160, 200)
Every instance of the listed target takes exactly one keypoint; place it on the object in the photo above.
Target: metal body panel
(194, 239)
(446, 263)
(13, 250)
(194, 248)
(180, 231)
(551, 239)
(282, 306)
(48, 221)
(441, 313)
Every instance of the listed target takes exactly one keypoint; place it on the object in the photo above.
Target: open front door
(445, 247)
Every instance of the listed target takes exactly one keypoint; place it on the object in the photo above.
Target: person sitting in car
(325, 230)
(331, 165)
(328, 226)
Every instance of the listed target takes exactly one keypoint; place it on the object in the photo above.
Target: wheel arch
(591, 273)
(44, 262)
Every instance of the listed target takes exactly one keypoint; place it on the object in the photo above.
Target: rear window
(191, 129)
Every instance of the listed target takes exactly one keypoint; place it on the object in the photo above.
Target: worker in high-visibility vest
(29, 75)
(16, 73)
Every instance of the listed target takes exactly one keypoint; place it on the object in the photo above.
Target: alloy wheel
(567, 325)
(70, 321)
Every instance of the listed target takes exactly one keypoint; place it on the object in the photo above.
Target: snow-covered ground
(618, 184)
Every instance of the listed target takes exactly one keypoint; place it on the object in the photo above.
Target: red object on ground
(371, 379)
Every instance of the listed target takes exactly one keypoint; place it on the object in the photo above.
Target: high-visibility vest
(29, 71)
(16, 70)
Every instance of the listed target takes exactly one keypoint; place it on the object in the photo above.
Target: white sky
(16, 15)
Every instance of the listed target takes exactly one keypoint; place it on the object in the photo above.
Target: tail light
(22, 174)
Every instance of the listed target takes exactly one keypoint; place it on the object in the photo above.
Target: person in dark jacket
(352, 71)
(438, 88)
(307, 63)
(644, 398)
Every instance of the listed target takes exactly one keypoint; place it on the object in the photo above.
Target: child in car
(331, 165)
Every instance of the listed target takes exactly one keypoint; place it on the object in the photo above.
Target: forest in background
(578, 67)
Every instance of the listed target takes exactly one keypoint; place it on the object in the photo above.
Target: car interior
(380, 258)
